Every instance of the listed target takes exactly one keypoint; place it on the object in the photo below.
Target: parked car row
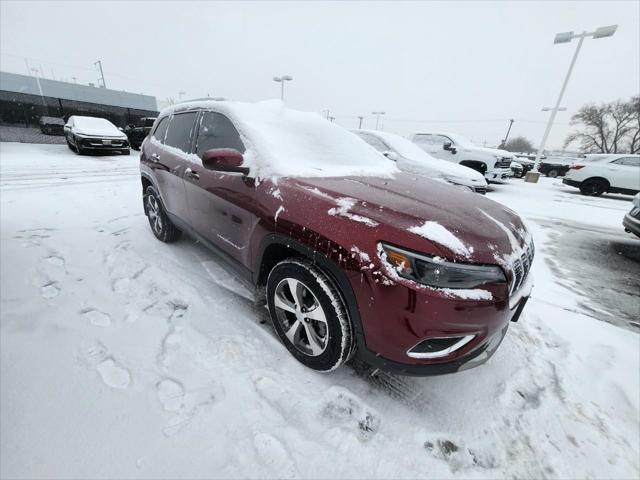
(336, 237)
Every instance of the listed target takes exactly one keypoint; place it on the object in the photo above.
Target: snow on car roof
(284, 142)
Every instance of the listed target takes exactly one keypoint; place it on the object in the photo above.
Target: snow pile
(96, 126)
(285, 142)
(437, 233)
(344, 205)
(125, 357)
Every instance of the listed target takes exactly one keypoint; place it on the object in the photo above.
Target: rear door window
(180, 131)
(161, 129)
(217, 131)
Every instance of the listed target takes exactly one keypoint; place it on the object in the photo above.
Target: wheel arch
(599, 179)
(276, 247)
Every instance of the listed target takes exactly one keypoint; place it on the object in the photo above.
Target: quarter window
(629, 161)
(180, 131)
(217, 131)
(161, 129)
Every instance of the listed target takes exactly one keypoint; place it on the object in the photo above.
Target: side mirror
(447, 146)
(224, 160)
(121, 129)
(391, 155)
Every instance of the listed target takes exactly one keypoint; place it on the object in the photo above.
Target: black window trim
(196, 122)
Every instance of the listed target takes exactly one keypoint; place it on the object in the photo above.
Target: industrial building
(24, 99)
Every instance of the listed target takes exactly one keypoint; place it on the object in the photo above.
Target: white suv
(613, 173)
(494, 164)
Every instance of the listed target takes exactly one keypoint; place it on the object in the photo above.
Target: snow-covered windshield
(285, 142)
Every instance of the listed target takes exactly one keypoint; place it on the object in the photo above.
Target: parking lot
(115, 345)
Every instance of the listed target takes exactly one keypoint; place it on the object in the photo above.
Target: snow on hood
(291, 143)
(96, 126)
(416, 160)
(402, 206)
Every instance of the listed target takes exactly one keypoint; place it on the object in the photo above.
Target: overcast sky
(464, 67)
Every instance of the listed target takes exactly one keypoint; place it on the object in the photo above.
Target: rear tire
(593, 187)
(308, 314)
(552, 173)
(161, 226)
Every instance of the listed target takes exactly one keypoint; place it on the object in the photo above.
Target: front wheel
(309, 315)
(552, 173)
(161, 226)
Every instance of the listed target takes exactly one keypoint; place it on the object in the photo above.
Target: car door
(625, 172)
(221, 203)
(168, 157)
(434, 145)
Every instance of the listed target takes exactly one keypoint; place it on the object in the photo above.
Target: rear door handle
(155, 157)
(191, 174)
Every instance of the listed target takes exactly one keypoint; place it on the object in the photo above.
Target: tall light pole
(99, 63)
(360, 118)
(281, 80)
(506, 137)
(377, 114)
(565, 37)
(44, 102)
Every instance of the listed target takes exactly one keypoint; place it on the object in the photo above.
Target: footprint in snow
(113, 374)
(272, 453)
(183, 404)
(49, 291)
(96, 317)
(56, 261)
(343, 407)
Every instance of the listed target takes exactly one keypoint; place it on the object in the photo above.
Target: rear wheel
(161, 226)
(552, 173)
(593, 187)
(309, 315)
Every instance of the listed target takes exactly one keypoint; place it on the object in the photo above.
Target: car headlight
(440, 273)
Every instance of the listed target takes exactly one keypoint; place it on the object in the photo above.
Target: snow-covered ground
(122, 356)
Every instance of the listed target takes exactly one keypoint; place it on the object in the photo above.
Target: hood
(386, 210)
(100, 132)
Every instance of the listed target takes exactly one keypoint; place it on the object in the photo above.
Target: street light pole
(360, 117)
(281, 80)
(377, 114)
(602, 32)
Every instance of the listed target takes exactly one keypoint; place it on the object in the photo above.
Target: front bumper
(631, 224)
(396, 318)
(571, 183)
(498, 175)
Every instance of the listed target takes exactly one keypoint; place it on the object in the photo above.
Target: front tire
(552, 173)
(161, 226)
(308, 315)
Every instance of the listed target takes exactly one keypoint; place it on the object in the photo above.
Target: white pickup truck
(494, 164)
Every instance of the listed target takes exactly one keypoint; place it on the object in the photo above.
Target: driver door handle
(191, 174)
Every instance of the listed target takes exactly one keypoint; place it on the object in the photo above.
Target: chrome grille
(521, 267)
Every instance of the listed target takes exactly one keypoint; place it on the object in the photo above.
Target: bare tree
(519, 144)
(607, 128)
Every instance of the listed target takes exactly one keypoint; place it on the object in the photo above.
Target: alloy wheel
(301, 317)
(154, 214)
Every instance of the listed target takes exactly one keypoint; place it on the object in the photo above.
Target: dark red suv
(353, 257)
